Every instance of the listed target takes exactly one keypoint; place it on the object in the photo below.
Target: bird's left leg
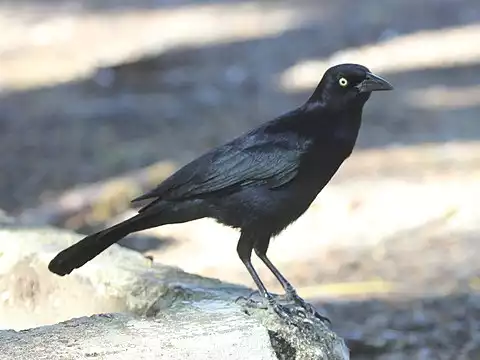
(244, 250)
(261, 248)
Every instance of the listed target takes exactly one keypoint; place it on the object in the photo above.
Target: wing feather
(271, 162)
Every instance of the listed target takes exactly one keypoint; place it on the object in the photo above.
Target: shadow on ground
(107, 6)
(131, 115)
(428, 327)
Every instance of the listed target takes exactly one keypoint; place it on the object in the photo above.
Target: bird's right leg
(244, 250)
(261, 247)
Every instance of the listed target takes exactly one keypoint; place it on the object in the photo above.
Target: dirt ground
(94, 89)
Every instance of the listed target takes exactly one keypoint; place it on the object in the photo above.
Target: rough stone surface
(213, 334)
(153, 311)
(118, 280)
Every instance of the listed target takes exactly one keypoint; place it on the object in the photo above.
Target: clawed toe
(311, 311)
(293, 317)
(305, 309)
(248, 302)
(300, 313)
(246, 298)
(282, 311)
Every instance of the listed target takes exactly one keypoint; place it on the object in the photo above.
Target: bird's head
(347, 85)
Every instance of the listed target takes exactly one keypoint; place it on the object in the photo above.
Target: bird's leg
(244, 250)
(290, 292)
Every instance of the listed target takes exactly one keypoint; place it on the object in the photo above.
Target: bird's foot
(270, 301)
(299, 315)
(267, 302)
(303, 308)
(282, 311)
(288, 315)
(249, 302)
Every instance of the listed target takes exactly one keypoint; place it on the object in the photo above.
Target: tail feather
(86, 249)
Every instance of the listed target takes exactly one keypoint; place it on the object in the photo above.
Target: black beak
(374, 83)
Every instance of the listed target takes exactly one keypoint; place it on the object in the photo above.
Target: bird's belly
(274, 209)
(261, 207)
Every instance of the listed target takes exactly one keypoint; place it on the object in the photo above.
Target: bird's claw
(305, 309)
(301, 314)
(246, 298)
(282, 311)
(268, 302)
(289, 316)
(251, 303)
(310, 312)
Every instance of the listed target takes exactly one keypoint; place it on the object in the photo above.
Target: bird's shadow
(144, 243)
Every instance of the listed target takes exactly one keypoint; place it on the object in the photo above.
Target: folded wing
(271, 162)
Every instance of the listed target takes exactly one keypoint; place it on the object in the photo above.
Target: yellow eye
(343, 82)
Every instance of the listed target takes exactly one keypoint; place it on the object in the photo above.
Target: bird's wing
(271, 162)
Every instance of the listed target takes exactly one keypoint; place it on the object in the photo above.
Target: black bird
(259, 182)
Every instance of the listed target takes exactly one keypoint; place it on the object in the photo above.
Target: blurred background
(100, 100)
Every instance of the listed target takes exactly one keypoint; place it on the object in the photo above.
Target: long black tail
(86, 249)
